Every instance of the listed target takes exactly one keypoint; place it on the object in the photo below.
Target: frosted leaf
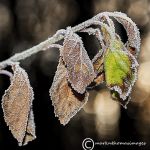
(98, 64)
(120, 70)
(16, 103)
(129, 82)
(97, 81)
(80, 71)
(106, 36)
(106, 24)
(117, 98)
(30, 131)
(66, 101)
(110, 22)
(131, 29)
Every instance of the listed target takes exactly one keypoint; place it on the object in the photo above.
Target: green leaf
(117, 66)
(120, 68)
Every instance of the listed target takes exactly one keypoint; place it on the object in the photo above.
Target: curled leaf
(80, 71)
(30, 131)
(131, 29)
(16, 103)
(106, 36)
(116, 97)
(66, 101)
(98, 62)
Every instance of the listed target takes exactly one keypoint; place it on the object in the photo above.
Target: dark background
(25, 23)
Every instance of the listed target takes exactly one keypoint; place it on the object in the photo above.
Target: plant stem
(5, 72)
(59, 35)
(35, 49)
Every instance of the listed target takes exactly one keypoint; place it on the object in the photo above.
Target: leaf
(131, 29)
(16, 103)
(80, 71)
(117, 67)
(98, 64)
(132, 50)
(120, 69)
(106, 36)
(66, 101)
(30, 131)
(117, 98)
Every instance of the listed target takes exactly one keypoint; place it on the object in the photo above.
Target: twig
(59, 35)
(5, 72)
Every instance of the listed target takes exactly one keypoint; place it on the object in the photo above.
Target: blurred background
(25, 23)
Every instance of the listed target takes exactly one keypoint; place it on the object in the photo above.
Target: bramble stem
(59, 35)
(35, 49)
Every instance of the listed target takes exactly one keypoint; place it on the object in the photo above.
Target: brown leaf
(98, 64)
(98, 61)
(131, 50)
(99, 79)
(106, 36)
(131, 29)
(30, 131)
(66, 101)
(16, 103)
(80, 70)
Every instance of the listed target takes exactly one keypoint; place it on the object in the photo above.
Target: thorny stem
(59, 35)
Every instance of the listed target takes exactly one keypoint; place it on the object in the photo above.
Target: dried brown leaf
(131, 29)
(80, 70)
(98, 64)
(106, 36)
(66, 101)
(99, 79)
(16, 103)
(30, 131)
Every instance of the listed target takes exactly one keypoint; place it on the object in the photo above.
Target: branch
(35, 49)
(59, 35)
